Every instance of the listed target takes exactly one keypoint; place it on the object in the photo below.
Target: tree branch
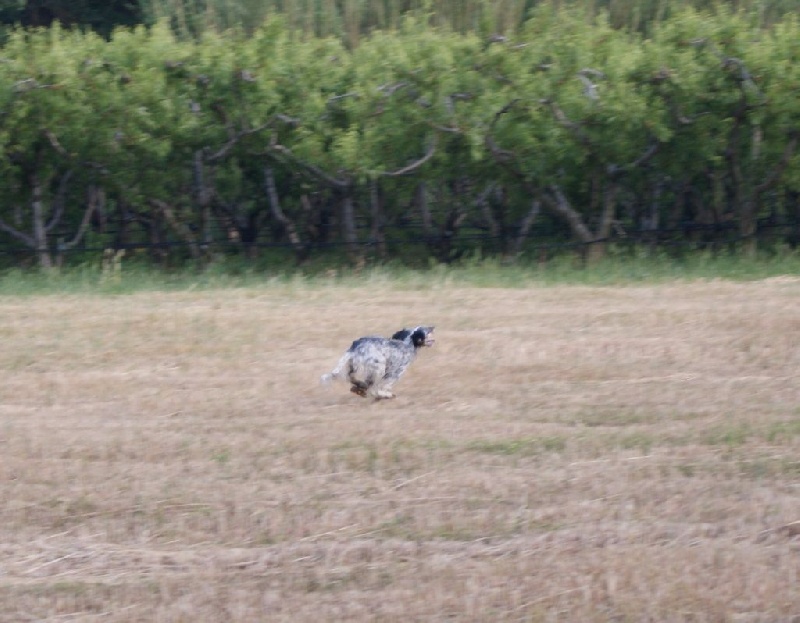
(55, 144)
(277, 212)
(390, 89)
(650, 151)
(59, 148)
(502, 156)
(409, 168)
(589, 87)
(180, 228)
(561, 206)
(525, 225)
(744, 77)
(227, 147)
(778, 169)
(27, 240)
(482, 202)
(335, 98)
(59, 201)
(566, 122)
(314, 171)
(646, 156)
(87, 217)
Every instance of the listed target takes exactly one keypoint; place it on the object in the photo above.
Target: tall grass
(350, 19)
(479, 272)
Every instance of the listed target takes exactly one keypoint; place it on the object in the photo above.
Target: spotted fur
(372, 365)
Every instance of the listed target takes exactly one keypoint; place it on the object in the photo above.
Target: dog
(372, 365)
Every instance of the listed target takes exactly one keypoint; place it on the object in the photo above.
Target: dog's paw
(326, 379)
(359, 391)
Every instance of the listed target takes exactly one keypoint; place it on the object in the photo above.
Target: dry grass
(562, 454)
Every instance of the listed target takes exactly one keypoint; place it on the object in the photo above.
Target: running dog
(373, 365)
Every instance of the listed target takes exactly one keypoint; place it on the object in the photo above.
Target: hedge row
(569, 130)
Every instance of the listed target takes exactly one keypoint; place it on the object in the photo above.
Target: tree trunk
(793, 211)
(651, 220)
(452, 224)
(95, 202)
(180, 228)
(157, 248)
(523, 230)
(488, 215)
(300, 249)
(39, 227)
(748, 225)
(594, 242)
(204, 195)
(421, 201)
(561, 206)
(349, 233)
(377, 236)
(597, 250)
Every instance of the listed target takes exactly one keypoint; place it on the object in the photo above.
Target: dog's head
(418, 336)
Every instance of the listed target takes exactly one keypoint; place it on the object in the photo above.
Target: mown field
(564, 453)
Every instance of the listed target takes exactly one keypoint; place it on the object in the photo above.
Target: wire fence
(401, 242)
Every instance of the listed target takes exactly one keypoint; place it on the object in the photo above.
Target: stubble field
(564, 453)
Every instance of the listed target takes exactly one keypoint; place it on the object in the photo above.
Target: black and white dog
(373, 365)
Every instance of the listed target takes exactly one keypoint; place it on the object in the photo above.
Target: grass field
(564, 453)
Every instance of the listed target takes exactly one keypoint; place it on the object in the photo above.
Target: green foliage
(268, 136)
(352, 19)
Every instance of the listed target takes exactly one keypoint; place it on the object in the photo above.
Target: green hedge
(419, 141)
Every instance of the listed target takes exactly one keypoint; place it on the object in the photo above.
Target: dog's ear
(421, 336)
(401, 335)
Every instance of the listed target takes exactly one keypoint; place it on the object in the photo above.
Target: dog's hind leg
(359, 389)
(373, 378)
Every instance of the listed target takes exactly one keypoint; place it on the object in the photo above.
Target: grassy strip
(486, 273)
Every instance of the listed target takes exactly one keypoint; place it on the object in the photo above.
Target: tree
(47, 151)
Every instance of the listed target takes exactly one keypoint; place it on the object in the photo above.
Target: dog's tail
(338, 372)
